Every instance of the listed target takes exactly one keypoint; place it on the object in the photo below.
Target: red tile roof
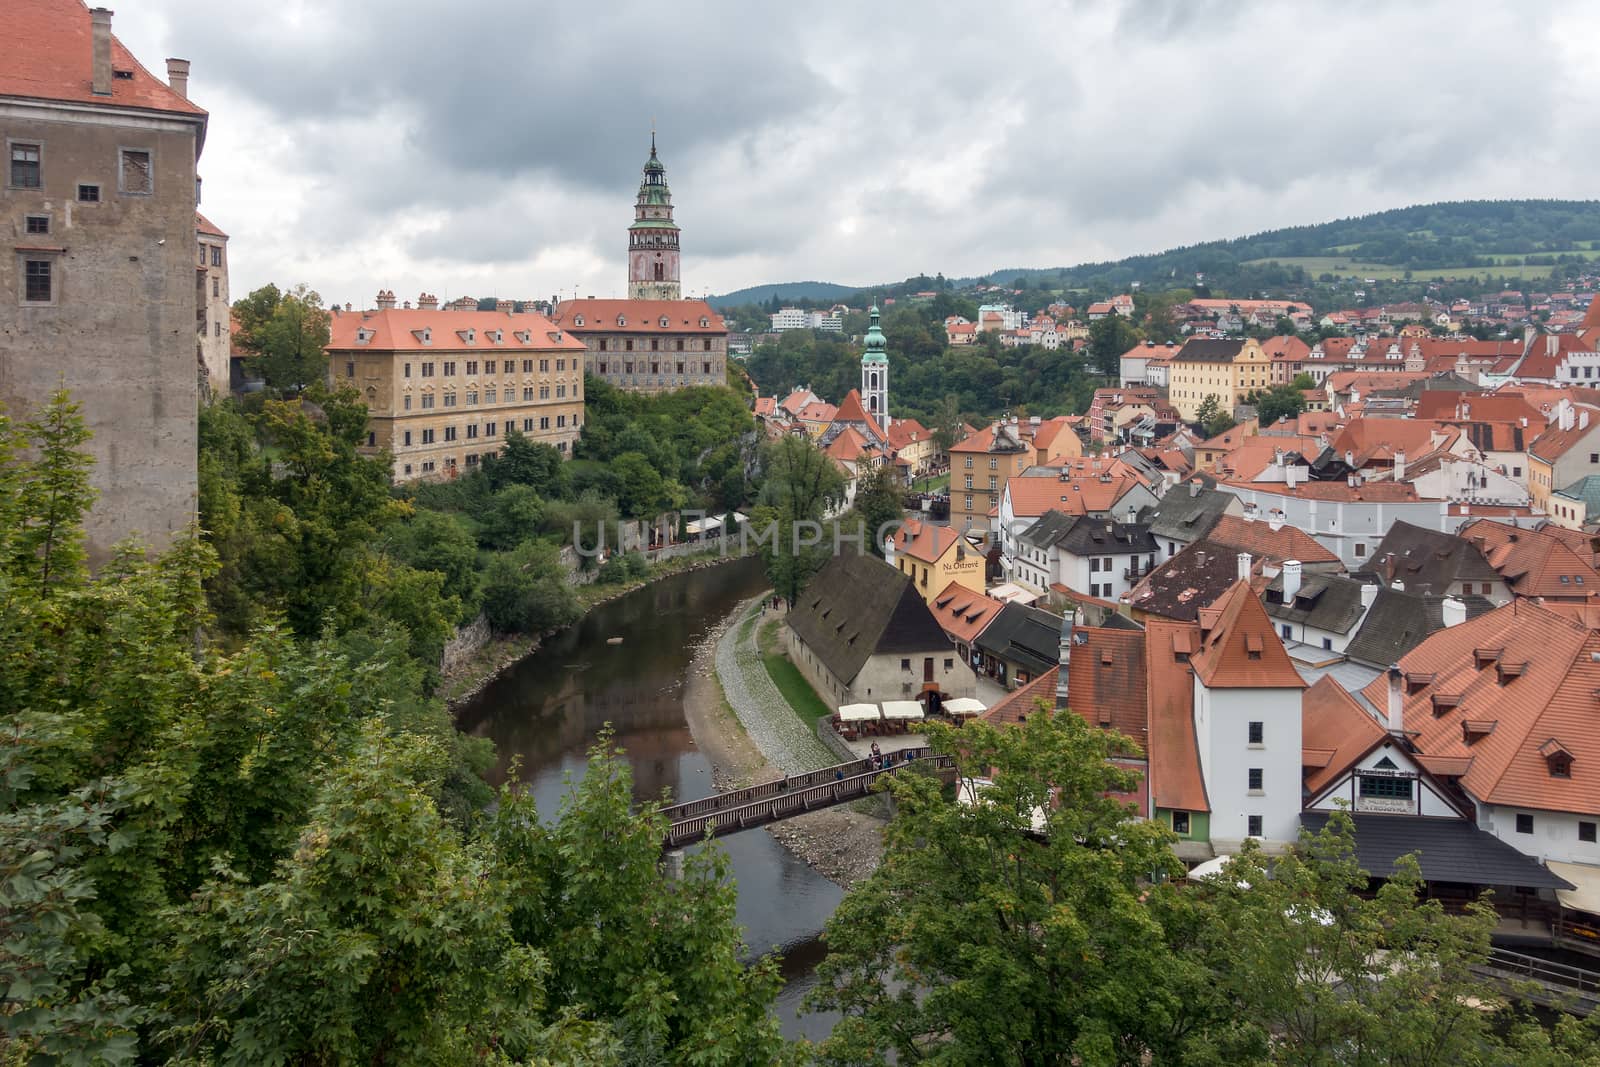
(1335, 724)
(1106, 681)
(51, 57)
(848, 446)
(1083, 494)
(1534, 563)
(766, 406)
(1501, 406)
(1263, 542)
(639, 316)
(963, 614)
(206, 226)
(851, 409)
(925, 541)
(1020, 703)
(1175, 778)
(1239, 648)
(403, 329)
(817, 411)
(1523, 676)
(903, 432)
(1556, 442)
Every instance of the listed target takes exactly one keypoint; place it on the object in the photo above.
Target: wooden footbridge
(782, 798)
(1541, 981)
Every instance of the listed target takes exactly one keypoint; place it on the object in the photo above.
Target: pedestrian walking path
(781, 735)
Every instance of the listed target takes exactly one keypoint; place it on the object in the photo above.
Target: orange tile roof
(1240, 649)
(1586, 545)
(1534, 563)
(1504, 406)
(925, 540)
(963, 614)
(848, 446)
(903, 432)
(1032, 497)
(1262, 541)
(1545, 353)
(766, 405)
(1332, 721)
(402, 330)
(206, 226)
(1106, 681)
(1371, 492)
(1548, 694)
(1175, 778)
(817, 411)
(52, 58)
(639, 316)
(796, 400)
(1020, 703)
(1556, 442)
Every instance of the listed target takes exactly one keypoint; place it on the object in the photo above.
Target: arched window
(872, 380)
(661, 272)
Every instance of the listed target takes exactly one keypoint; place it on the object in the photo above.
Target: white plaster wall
(1222, 719)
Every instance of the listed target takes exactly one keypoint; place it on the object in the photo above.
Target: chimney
(1244, 566)
(1369, 594)
(385, 299)
(1454, 610)
(1399, 466)
(1291, 579)
(178, 76)
(1194, 490)
(427, 302)
(100, 31)
(1397, 702)
(1275, 520)
(1583, 419)
(504, 306)
(1349, 458)
(1398, 586)
(1133, 515)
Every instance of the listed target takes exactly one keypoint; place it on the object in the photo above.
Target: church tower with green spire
(653, 237)
(875, 374)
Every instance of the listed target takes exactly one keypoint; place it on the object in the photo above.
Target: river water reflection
(548, 709)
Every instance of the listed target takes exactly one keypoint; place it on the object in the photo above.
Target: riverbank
(469, 677)
(743, 725)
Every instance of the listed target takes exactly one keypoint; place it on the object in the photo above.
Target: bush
(525, 591)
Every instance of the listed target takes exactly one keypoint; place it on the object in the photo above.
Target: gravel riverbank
(750, 734)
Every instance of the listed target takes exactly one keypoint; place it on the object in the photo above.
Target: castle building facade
(99, 293)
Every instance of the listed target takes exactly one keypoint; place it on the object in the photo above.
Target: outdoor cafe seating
(853, 720)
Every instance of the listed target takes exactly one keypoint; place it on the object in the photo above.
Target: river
(548, 709)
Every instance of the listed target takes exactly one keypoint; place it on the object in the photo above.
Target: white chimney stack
(1369, 594)
(100, 36)
(1291, 579)
(1244, 566)
(1397, 703)
(1583, 419)
(1454, 610)
(1399, 466)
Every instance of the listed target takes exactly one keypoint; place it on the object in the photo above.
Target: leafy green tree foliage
(438, 541)
(514, 515)
(641, 492)
(525, 590)
(880, 500)
(1109, 337)
(1211, 417)
(523, 461)
(979, 941)
(1278, 402)
(658, 957)
(285, 332)
(946, 423)
(798, 479)
(43, 527)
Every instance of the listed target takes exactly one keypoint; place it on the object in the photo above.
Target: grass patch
(787, 677)
(931, 485)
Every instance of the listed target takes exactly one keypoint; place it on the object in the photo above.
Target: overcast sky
(493, 147)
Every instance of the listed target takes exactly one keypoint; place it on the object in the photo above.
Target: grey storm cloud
(495, 145)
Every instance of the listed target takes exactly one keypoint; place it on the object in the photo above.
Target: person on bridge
(877, 757)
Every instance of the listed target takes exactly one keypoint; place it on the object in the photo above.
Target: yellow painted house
(1229, 368)
(933, 557)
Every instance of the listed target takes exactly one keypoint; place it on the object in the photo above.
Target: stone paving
(783, 738)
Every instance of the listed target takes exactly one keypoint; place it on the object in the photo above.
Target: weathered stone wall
(120, 330)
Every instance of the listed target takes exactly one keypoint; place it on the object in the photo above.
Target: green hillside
(1514, 238)
(761, 294)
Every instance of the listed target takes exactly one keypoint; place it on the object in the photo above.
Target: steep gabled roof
(1186, 514)
(1427, 561)
(1241, 650)
(1175, 778)
(51, 57)
(857, 607)
(1332, 721)
(963, 614)
(1191, 580)
(1107, 681)
(925, 541)
(1021, 703)
(1499, 689)
(1534, 563)
(1209, 350)
(1328, 602)
(1261, 540)
(1025, 635)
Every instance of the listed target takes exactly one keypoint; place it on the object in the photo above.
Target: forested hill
(1487, 239)
(1481, 235)
(784, 291)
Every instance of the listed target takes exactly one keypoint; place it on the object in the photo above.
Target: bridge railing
(793, 801)
(1546, 971)
(824, 775)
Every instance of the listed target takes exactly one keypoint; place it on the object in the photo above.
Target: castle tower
(653, 237)
(875, 374)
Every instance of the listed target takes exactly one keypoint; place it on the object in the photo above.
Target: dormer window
(622, 320)
(499, 337)
(577, 320)
(1556, 758)
(1508, 671)
(665, 322)
(362, 337)
(704, 322)
(1475, 730)
(1444, 702)
(1484, 657)
(1253, 645)
(1416, 682)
